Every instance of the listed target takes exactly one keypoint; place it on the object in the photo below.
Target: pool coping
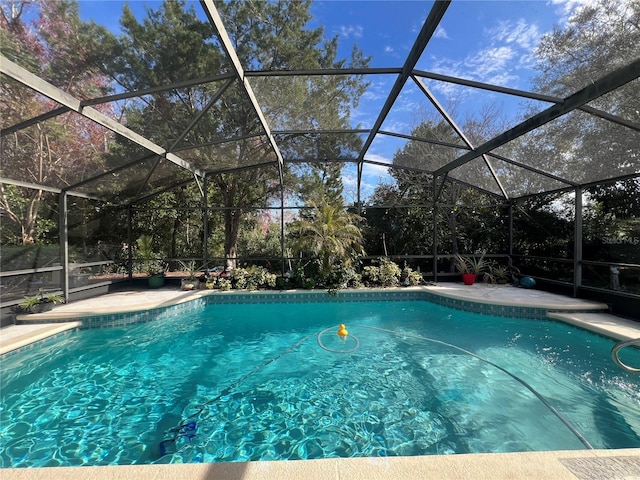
(555, 465)
(31, 338)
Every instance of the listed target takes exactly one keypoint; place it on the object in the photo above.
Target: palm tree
(330, 234)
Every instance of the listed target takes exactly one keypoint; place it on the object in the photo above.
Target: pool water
(251, 382)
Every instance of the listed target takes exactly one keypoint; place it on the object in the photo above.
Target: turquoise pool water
(251, 382)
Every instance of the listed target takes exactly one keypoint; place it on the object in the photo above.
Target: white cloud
(441, 33)
(350, 31)
(388, 49)
(372, 176)
(519, 32)
(374, 157)
(490, 60)
(566, 8)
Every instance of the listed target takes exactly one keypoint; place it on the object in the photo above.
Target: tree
(59, 47)
(172, 44)
(597, 39)
(330, 234)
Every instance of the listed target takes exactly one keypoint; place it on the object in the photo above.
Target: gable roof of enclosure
(497, 164)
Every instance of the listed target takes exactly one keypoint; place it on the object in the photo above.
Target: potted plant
(38, 303)
(150, 264)
(191, 282)
(497, 274)
(470, 267)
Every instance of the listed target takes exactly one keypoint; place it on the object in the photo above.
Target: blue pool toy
(527, 282)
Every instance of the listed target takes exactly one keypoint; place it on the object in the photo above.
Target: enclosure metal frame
(559, 107)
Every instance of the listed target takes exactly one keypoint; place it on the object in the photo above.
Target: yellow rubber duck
(342, 332)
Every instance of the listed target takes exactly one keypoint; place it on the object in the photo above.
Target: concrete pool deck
(575, 464)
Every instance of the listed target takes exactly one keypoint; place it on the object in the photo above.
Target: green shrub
(261, 277)
(389, 273)
(282, 283)
(410, 277)
(342, 276)
(371, 276)
(252, 278)
(239, 278)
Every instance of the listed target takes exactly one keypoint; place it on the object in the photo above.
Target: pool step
(16, 337)
(600, 322)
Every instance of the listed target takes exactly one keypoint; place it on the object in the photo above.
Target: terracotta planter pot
(468, 278)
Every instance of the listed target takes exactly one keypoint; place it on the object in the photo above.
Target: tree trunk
(231, 229)
(174, 236)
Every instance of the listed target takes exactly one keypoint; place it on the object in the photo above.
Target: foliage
(252, 278)
(597, 38)
(386, 275)
(497, 273)
(471, 264)
(68, 148)
(371, 275)
(191, 269)
(150, 263)
(463, 216)
(31, 303)
(343, 276)
(389, 272)
(304, 275)
(173, 44)
(224, 284)
(409, 277)
(329, 234)
(53, 298)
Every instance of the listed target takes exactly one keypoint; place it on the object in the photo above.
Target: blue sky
(485, 41)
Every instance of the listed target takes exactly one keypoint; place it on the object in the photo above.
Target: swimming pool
(245, 382)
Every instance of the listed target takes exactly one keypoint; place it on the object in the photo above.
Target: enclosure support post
(63, 228)
(129, 242)
(205, 222)
(510, 231)
(577, 243)
(435, 229)
(359, 204)
(282, 249)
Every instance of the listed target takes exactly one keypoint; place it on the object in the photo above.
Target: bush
(410, 277)
(239, 278)
(304, 275)
(342, 276)
(224, 284)
(252, 278)
(386, 275)
(282, 283)
(371, 276)
(389, 273)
